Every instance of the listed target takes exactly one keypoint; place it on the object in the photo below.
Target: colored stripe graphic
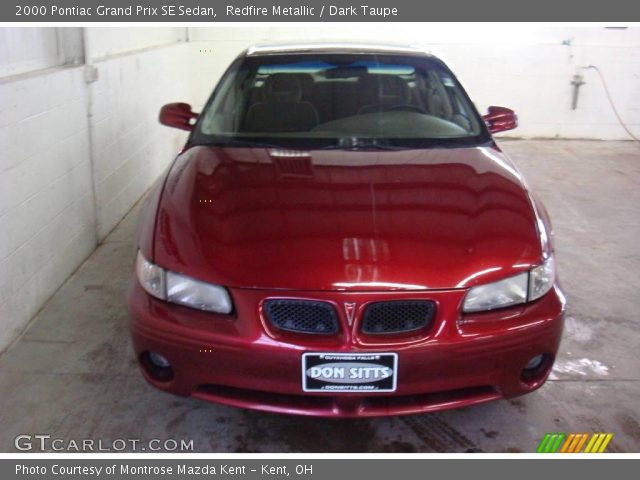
(598, 442)
(580, 444)
(551, 442)
(543, 443)
(574, 443)
(605, 442)
(567, 443)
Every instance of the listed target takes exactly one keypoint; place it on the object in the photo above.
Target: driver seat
(383, 92)
(282, 108)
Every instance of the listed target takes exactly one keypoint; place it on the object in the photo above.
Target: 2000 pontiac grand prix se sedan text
(341, 236)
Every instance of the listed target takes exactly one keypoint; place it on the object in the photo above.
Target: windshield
(339, 100)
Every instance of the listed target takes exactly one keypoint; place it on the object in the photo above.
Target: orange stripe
(581, 443)
(567, 443)
(576, 440)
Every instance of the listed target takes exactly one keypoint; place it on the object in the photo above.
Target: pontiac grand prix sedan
(341, 236)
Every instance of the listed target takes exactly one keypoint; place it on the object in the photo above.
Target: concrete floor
(73, 375)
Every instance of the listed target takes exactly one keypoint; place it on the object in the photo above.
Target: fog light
(536, 369)
(157, 366)
(158, 360)
(534, 363)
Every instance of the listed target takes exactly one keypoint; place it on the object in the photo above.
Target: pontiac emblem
(350, 311)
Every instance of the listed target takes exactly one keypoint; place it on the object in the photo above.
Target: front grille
(397, 316)
(302, 316)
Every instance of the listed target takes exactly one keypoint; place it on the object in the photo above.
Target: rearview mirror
(500, 119)
(178, 115)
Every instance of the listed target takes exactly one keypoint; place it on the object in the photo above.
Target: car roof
(332, 47)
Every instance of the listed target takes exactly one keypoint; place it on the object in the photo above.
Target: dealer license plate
(349, 372)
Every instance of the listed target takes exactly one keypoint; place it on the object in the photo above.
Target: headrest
(282, 87)
(387, 88)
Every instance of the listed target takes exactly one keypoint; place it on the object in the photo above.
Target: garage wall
(27, 49)
(108, 41)
(129, 147)
(77, 153)
(526, 67)
(46, 205)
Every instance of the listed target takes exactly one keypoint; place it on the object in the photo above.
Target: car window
(327, 98)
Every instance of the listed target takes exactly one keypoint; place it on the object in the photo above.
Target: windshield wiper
(240, 143)
(346, 143)
(353, 143)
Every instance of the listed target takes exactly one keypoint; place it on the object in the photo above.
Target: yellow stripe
(606, 441)
(594, 437)
(583, 438)
(567, 443)
(596, 445)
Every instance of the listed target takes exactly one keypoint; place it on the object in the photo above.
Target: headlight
(504, 293)
(541, 279)
(192, 293)
(521, 288)
(151, 277)
(182, 290)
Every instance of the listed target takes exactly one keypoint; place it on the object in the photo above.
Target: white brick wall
(46, 209)
(109, 41)
(61, 138)
(27, 49)
(130, 148)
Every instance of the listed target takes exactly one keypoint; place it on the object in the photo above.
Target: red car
(342, 237)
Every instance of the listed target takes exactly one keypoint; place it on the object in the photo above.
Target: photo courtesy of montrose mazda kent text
(341, 236)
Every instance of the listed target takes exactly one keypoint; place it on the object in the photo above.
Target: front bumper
(239, 360)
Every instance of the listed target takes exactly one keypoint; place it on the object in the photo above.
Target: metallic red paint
(500, 119)
(178, 115)
(346, 220)
(347, 226)
(458, 361)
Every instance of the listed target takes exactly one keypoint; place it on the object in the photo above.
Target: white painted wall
(46, 206)
(109, 41)
(62, 139)
(129, 147)
(27, 49)
(525, 67)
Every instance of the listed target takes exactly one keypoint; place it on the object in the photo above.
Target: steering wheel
(407, 108)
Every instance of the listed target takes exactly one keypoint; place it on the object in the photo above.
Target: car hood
(345, 220)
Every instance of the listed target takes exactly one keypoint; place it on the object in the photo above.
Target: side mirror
(178, 115)
(500, 119)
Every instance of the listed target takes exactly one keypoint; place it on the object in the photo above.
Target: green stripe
(552, 439)
(543, 443)
(561, 437)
